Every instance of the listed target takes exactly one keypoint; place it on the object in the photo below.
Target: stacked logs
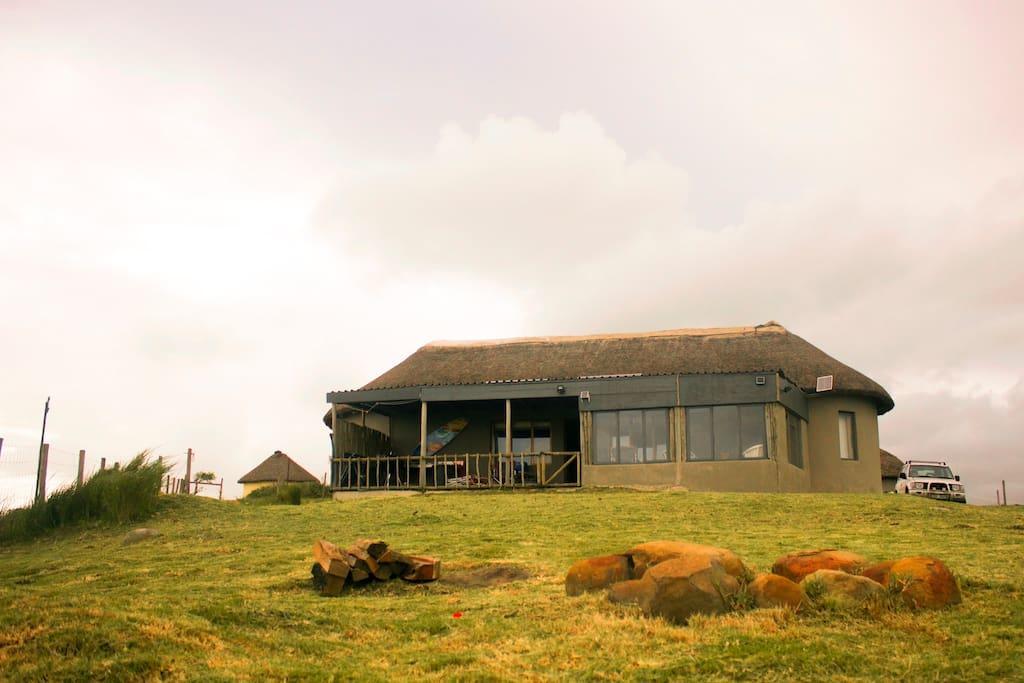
(367, 560)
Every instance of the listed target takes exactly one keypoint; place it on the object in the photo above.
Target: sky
(212, 213)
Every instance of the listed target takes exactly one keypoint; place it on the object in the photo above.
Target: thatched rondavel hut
(277, 469)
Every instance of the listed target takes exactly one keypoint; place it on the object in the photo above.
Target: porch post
(508, 438)
(423, 444)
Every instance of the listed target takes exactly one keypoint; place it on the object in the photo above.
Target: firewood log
(374, 548)
(423, 569)
(330, 558)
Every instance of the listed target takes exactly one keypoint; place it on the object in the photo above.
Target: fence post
(44, 456)
(188, 471)
(103, 463)
(1004, 492)
(220, 495)
(1, 445)
(81, 466)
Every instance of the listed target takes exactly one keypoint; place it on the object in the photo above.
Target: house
(891, 466)
(721, 409)
(277, 469)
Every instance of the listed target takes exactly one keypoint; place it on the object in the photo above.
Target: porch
(465, 471)
(468, 444)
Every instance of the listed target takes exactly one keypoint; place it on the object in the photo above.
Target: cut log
(383, 572)
(393, 556)
(359, 575)
(374, 548)
(333, 586)
(423, 569)
(331, 559)
(363, 559)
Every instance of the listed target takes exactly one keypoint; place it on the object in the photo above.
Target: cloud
(512, 200)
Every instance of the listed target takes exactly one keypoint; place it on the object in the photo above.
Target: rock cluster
(676, 579)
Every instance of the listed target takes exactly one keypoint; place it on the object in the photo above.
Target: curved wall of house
(829, 472)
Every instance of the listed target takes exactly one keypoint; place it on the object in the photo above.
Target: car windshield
(931, 471)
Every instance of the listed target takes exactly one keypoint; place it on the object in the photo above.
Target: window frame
(854, 451)
(617, 435)
(739, 432)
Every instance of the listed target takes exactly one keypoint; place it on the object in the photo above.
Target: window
(795, 439)
(931, 471)
(527, 437)
(847, 436)
(630, 436)
(726, 433)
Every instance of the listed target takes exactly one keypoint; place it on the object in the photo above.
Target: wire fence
(19, 463)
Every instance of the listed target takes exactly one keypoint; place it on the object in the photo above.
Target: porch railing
(468, 471)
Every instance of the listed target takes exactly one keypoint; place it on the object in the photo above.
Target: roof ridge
(770, 327)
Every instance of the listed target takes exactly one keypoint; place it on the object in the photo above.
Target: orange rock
(843, 586)
(927, 582)
(649, 554)
(679, 588)
(630, 592)
(795, 566)
(879, 572)
(772, 590)
(596, 572)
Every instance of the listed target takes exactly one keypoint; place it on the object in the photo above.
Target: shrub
(114, 496)
(291, 494)
(288, 494)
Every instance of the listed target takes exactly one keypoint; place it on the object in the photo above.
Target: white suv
(932, 480)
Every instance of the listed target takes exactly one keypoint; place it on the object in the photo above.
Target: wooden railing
(470, 471)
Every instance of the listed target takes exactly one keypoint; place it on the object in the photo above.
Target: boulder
(795, 566)
(595, 573)
(842, 586)
(879, 572)
(927, 582)
(649, 554)
(772, 590)
(136, 535)
(633, 592)
(679, 588)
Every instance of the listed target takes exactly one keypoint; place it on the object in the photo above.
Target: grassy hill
(224, 593)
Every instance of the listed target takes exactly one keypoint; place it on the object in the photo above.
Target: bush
(114, 496)
(291, 494)
(287, 494)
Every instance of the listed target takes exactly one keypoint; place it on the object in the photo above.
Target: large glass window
(726, 433)
(699, 438)
(606, 435)
(795, 439)
(847, 436)
(630, 436)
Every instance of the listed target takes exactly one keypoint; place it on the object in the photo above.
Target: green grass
(224, 593)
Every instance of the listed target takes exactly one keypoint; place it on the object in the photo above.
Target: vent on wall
(824, 383)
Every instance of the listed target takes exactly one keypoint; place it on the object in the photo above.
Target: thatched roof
(891, 465)
(764, 348)
(278, 467)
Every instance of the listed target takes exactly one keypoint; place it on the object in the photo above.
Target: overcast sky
(212, 213)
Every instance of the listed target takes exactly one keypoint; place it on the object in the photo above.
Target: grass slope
(225, 593)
